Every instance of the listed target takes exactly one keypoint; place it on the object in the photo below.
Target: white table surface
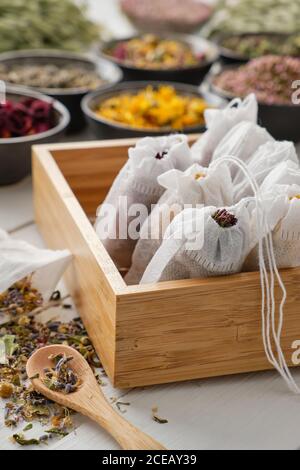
(249, 411)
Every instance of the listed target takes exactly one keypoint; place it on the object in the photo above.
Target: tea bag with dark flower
(200, 243)
(195, 186)
(219, 122)
(135, 190)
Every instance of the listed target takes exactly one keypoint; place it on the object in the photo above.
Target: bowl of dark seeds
(65, 76)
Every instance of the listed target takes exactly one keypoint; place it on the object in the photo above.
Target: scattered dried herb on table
(157, 418)
(22, 403)
(269, 77)
(152, 52)
(51, 76)
(26, 117)
(20, 299)
(152, 108)
(61, 377)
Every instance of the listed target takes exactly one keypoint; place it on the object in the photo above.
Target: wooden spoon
(88, 399)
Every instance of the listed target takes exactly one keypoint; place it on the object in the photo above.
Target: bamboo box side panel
(90, 173)
(194, 331)
(92, 277)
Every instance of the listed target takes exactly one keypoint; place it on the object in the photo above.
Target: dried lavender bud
(224, 218)
(61, 378)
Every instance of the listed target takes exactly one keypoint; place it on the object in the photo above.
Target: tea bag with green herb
(135, 190)
(219, 122)
(200, 243)
(196, 186)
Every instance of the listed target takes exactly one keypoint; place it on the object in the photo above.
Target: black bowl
(70, 97)
(230, 56)
(281, 120)
(105, 129)
(192, 75)
(15, 153)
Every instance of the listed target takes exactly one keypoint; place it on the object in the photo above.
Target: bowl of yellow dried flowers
(136, 109)
(168, 57)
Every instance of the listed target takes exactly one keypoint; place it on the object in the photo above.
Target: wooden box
(147, 334)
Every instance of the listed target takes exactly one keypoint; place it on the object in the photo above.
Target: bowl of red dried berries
(26, 118)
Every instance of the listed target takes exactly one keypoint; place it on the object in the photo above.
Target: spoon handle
(128, 436)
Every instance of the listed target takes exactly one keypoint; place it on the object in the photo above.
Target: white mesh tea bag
(135, 190)
(282, 208)
(263, 161)
(221, 121)
(195, 186)
(201, 243)
(19, 259)
(286, 173)
(242, 142)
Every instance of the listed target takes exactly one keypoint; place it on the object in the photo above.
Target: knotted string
(269, 331)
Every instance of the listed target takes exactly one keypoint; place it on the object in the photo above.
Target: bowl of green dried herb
(65, 76)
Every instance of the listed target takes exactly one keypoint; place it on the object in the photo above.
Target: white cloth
(19, 259)
(219, 122)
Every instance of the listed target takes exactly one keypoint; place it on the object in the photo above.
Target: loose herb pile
(61, 377)
(154, 108)
(152, 52)
(269, 77)
(26, 117)
(20, 336)
(257, 45)
(60, 24)
(51, 76)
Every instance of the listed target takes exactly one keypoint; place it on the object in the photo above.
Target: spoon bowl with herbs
(65, 76)
(61, 374)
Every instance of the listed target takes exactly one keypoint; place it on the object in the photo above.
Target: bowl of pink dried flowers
(26, 118)
(275, 80)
